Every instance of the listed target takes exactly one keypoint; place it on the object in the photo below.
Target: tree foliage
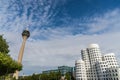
(43, 76)
(47, 76)
(7, 64)
(3, 45)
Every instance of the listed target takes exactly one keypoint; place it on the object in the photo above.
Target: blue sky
(59, 29)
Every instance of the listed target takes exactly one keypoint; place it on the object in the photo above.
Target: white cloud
(61, 47)
(108, 22)
(65, 50)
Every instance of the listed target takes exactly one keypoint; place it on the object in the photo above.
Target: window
(113, 75)
(112, 70)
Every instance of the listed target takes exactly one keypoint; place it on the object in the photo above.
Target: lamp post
(25, 36)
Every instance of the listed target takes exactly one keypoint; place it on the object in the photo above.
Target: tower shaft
(22, 49)
(20, 55)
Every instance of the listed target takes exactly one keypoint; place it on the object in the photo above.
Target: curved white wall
(80, 71)
(93, 46)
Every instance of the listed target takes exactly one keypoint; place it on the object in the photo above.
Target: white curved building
(95, 66)
(85, 58)
(93, 46)
(80, 70)
(113, 73)
(111, 60)
(94, 53)
(94, 56)
(101, 67)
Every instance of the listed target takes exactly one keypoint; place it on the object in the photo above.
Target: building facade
(62, 69)
(94, 66)
(80, 70)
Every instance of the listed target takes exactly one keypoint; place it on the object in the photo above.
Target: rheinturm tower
(25, 36)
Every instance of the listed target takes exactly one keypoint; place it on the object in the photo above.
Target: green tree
(51, 76)
(35, 77)
(68, 76)
(7, 64)
(43, 76)
(3, 45)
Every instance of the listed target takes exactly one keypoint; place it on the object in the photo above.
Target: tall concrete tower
(25, 35)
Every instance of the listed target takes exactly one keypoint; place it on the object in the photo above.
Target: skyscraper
(25, 35)
(97, 67)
